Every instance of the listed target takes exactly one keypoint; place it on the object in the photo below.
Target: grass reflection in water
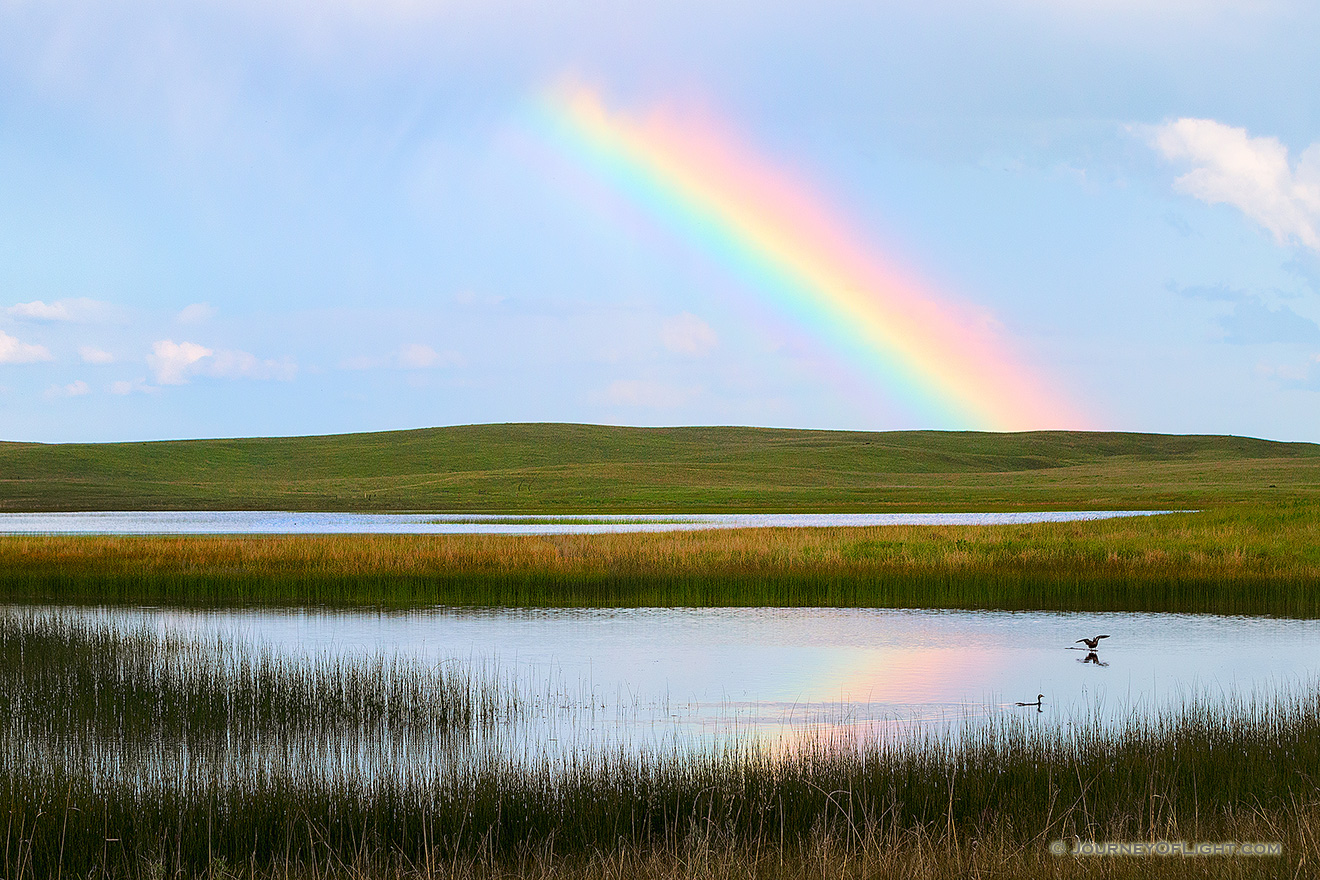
(131, 753)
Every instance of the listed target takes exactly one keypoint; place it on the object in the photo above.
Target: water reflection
(244, 522)
(598, 675)
(553, 686)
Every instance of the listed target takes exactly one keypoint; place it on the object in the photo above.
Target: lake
(234, 522)
(655, 676)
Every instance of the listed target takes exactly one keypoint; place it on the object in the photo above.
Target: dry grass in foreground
(861, 856)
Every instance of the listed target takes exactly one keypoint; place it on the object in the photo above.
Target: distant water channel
(233, 522)
(603, 678)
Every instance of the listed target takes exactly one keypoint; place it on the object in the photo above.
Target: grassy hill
(568, 468)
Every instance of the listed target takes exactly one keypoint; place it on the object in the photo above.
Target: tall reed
(133, 800)
(64, 675)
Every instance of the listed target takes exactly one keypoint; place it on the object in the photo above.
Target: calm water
(639, 676)
(229, 522)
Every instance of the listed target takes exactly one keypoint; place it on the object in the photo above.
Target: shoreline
(1252, 560)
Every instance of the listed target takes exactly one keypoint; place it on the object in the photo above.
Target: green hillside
(566, 468)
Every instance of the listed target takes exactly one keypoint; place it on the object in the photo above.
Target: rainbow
(782, 242)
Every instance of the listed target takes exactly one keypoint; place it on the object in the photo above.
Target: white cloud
(73, 389)
(1305, 375)
(196, 313)
(172, 362)
(128, 387)
(91, 355)
(413, 356)
(64, 310)
(688, 334)
(12, 351)
(1250, 173)
(245, 365)
(40, 311)
(1254, 323)
(418, 357)
(640, 392)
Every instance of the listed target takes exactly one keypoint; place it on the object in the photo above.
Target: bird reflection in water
(1093, 657)
(1040, 701)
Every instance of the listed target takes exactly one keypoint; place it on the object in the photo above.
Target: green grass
(1228, 560)
(594, 470)
(149, 798)
(559, 520)
(1255, 548)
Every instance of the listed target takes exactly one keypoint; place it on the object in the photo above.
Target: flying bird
(1090, 643)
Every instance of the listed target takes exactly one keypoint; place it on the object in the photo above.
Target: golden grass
(1228, 560)
(1214, 543)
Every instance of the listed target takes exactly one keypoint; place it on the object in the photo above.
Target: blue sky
(243, 218)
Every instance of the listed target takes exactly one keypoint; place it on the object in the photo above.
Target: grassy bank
(587, 469)
(1252, 550)
(1240, 560)
(85, 799)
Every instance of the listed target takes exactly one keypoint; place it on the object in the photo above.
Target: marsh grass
(862, 856)
(1201, 775)
(131, 793)
(1241, 560)
(64, 676)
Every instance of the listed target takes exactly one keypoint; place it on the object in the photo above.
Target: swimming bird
(1040, 698)
(1090, 643)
